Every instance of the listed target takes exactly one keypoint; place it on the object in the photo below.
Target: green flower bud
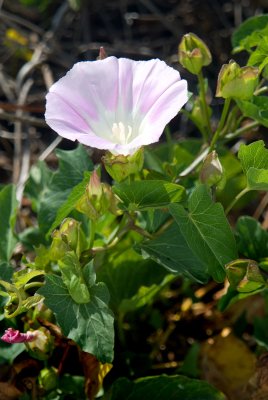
(120, 167)
(236, 82)
(211, 172)
(97, 199)
(48, 378)
(58, 247)
(94, 188)
(193, 53)
(69, 237)
(244, 275)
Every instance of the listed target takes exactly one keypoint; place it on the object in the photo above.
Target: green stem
(221, 124)
(164, 227)
(32, 285)
(141, 231)
(204, 104)
(235, 200)
(261, 90)
(242, 130)
(193, 165)
(92, 233)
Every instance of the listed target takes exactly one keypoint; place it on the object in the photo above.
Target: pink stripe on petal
(161, 113)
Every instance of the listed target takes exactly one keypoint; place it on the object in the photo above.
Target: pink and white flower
(14, 336)
(115, 104)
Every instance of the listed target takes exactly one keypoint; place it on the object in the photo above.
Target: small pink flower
(14, 336)
(115, 104)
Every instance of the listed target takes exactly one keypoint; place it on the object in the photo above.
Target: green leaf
(257, 179)
(23, 276)
(142, 195)
(172, 158)
(8, 210)
(70, 203)
(8, 353)
(154, 219)
(258, 58)
(131, 280)
(73, 278)
(89, 325)
(254, 160)
(260, 331)
(72, 165)
(252, 239)
(190, 366)
(254, 155)
(6, 271)
(72, 384)
(144, 296)
(233, 296)
(171, 250)
(163, 387)
(251, 25)
(206, 230)
(39, 177)
(255, 109)
(31, 238)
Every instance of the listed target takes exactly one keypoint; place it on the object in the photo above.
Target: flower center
(120, 133)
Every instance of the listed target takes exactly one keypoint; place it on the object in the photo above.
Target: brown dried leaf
(228, 364)
(258, 385)
(94, 373)
(8, 391)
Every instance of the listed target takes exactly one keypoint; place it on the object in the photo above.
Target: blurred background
(41, 39)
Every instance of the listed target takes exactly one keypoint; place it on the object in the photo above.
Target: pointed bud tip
(102, 54)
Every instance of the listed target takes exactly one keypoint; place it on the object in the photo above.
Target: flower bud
(244, 275)
(58, 247)
(211, 172)
(94, 189)
(42, 345)
(68, 237)
(119, 167)
(14, 336)
(235, 82)
(97, 198)
(102, 54)
(48, 378)
(193, 53)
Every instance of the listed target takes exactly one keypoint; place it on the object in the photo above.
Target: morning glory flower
(14, 336)
(115, 104)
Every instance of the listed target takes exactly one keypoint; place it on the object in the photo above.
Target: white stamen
(119, 133)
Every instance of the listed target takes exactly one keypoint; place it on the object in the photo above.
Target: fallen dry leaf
(94, 372)
(8, 391)
(258, 385)
(228, 364)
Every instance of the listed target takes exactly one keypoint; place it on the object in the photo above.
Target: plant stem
(261, 90)
(141, 231)
(221, 124)
(164, 227)
(193, 165)
(239, 131)
(32, 285)
(204, 104)
(235, 200)
(92, 233)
